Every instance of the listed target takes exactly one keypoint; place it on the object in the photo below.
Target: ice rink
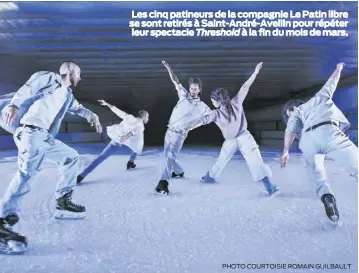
(197, 228)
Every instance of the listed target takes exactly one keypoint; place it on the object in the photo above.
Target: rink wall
(265, 124)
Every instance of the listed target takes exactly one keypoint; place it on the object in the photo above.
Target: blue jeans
(33, 146)
(110, 149)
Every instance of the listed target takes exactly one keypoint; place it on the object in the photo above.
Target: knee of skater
(170, 155)
(26, 173)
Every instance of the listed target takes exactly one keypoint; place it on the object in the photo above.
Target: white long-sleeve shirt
(186, 109)
(318, 109)
(129, 124)
(43, 112)
(35, 103)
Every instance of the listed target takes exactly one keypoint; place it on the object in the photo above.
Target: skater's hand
(95, 122)
(340, 65)
(102, 102)
(284, 159)
(258, 67)
(9, 114)
(165, 64)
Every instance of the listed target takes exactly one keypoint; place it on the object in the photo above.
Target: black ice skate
(66, 209)
(177, 175)
(11, 219)
(79, 179)
(162, 187)
(330, 207)
(11, 242)
(131, 165)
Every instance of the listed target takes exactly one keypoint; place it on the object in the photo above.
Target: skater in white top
(130, 132)
(321, 125)
(34, 115)
(189, 106)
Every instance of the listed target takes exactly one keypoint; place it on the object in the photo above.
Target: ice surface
(196, 229)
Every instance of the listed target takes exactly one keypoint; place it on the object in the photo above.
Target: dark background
(127, 71)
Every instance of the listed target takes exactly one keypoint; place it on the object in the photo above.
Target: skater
(230, 118)
(129, 132)
(322, 127)
(189, 106)
(34, 115)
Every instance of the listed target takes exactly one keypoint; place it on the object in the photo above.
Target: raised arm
(182, 92)
(243, 91)
(114, 109)
(331, 85)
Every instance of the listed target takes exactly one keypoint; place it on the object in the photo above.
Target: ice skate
(174, 175)
(67, 209)
(11, 242)
(130, 165)
(162, 188)
(208, 179)
(330, 207)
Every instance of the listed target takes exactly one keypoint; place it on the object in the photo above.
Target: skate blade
(208, 182)
(274, 194)
(336, 223)
(13, 248)
(69, 215)
(161, 193)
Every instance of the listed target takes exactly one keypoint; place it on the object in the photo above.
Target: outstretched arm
(172, 75)
(78, 109)
(243, 91)
(331, 85)
(293, 127)
(182, 92)
(288, 141)
(204, 120)
(114, 109)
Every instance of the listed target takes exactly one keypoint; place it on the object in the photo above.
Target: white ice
(196, 229)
